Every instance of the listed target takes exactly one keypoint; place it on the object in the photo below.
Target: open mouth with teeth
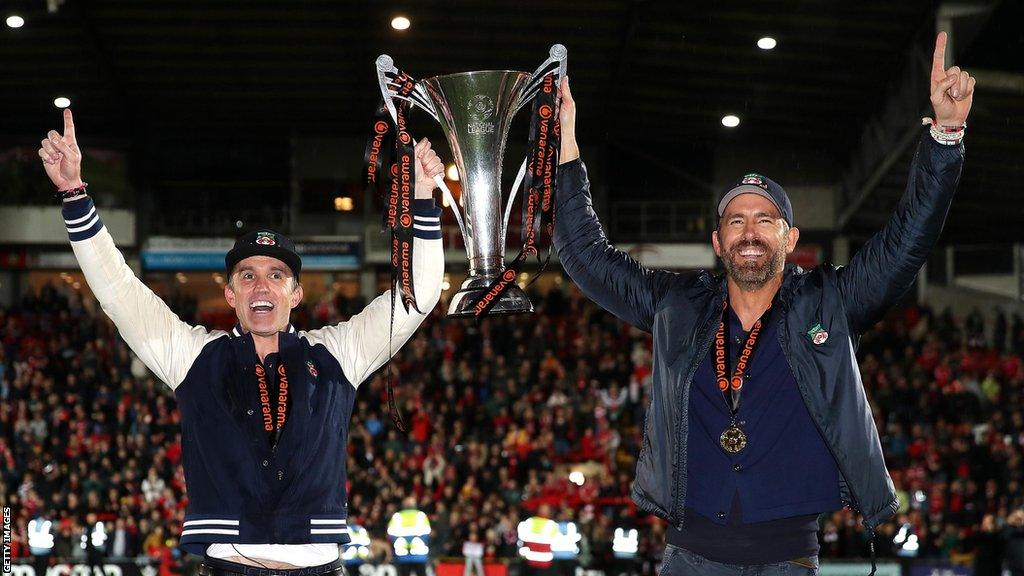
(261, 306)
(751, 252)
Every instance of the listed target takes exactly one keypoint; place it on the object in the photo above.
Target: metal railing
(628, 221)
(218, 222)
(664, 221)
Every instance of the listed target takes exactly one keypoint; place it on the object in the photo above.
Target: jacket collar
(716, 282)
(237, 330)
(791, 276)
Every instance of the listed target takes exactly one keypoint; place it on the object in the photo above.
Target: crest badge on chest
(818, 335)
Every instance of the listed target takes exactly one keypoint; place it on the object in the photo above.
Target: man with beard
(758, 420)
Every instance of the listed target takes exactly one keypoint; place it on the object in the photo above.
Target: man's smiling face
(263, 291)
(753, 240)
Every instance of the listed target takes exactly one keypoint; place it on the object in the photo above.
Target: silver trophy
(475, 110)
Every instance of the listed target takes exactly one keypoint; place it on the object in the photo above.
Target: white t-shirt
(301, 555)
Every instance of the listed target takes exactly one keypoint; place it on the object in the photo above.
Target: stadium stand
(499, 413)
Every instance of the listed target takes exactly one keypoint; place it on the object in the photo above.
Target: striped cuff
(222, 527)
(81, 219)
(426, 219)
(320, 526)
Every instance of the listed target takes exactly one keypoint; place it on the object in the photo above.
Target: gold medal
(733, 440)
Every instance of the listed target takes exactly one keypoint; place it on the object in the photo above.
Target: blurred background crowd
(500, 414)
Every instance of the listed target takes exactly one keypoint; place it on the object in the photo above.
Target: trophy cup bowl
(475, 110)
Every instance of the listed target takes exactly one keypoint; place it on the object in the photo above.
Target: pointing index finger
(69, 124)
(939, 58)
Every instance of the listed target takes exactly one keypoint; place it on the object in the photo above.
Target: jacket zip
(680, 499)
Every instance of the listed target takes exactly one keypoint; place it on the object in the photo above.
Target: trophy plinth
(513, 301)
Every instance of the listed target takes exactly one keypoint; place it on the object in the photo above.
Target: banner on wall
(179, 254)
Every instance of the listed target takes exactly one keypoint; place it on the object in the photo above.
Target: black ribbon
(400, 216)
(377, 153)
(396, 187)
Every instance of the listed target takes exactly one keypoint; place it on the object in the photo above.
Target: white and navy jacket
(240, 490)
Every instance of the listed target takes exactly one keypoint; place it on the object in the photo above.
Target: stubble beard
(752, 276)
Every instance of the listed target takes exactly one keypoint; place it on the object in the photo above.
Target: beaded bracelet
(948, 135)
(71, 193)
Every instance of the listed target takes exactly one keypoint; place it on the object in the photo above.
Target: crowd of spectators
(498, 413)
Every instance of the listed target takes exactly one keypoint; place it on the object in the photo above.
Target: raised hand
(62, 159)
(952, 90)
(428, 165)
(567, 123)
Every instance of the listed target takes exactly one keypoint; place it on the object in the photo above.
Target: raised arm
(608, 276)
(885, 268)
(366, 341)
(164, 343)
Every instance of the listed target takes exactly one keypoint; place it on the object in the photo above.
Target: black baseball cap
(762, 186)
(264, 243)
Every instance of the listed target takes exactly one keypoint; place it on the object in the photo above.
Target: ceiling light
(452, 173)
(766, 43)
(730, 121)
(15, 21)
(343, 204)
(61, 102)
(400, 23)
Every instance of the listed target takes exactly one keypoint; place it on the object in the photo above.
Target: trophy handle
(557, 55)
(512, 197)
(386, 74)
(450, 198)
(385, 67)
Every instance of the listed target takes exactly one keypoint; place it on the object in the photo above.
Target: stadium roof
(236, 78)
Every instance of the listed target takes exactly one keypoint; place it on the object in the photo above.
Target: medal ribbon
(732, 388)
(273, 418)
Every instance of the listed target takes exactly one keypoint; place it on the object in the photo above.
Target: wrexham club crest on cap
(755, 179)
(266, 238)
(818, 335)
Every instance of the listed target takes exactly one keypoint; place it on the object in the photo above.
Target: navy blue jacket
(681, 311)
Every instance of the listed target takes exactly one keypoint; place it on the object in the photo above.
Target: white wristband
(947, 135)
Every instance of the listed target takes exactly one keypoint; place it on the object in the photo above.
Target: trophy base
(513, 301)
